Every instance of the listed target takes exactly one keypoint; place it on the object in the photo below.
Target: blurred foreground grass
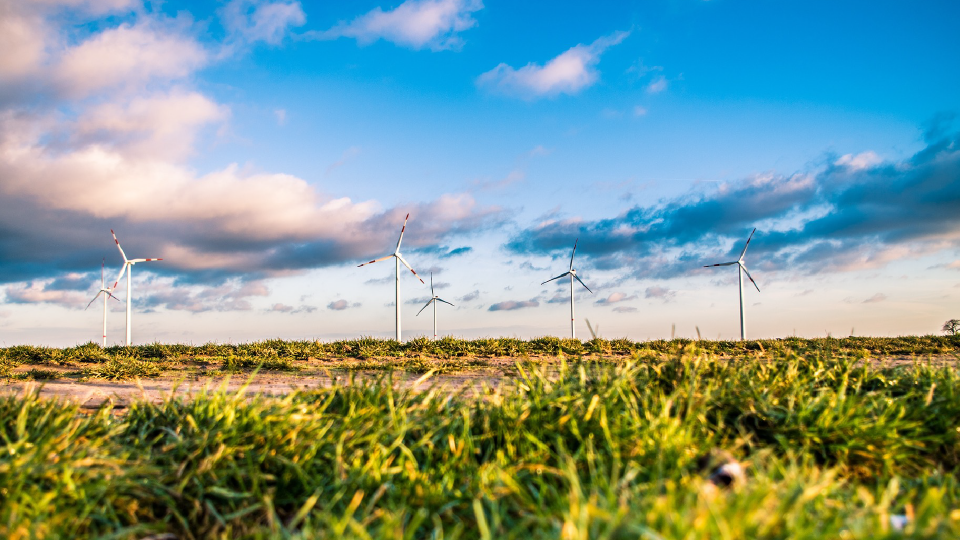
(594, 449)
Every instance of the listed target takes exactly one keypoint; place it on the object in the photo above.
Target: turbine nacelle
(400, 260)
(127, 268)
(103, 288)
(741, 267)
(433, 298)
(572, 272)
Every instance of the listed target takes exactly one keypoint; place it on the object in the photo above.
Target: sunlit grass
(585, 449)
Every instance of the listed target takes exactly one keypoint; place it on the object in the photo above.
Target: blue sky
(265, 148)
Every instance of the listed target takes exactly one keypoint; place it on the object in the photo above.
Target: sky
(265, 148)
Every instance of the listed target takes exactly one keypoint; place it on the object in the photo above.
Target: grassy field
(602, 444)
(420, 355)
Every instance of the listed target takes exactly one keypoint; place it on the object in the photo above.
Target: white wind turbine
(433, 300)
(128, 268)
(741, 270)
(399, 259)
(573, 276)
(106, 293)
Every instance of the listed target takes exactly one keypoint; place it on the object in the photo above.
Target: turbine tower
(128, 268)
(106, 293)
(573, 276)
(433, 300)
(399, 259)
(741, 270)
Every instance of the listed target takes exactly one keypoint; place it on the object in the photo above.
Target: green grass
(232, 363)
(588, 449)
(449, 347)
(117, 369)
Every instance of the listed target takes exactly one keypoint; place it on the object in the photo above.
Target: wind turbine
(433, 301)
(106, 293)
(741, 270)
(573, 276)
(128, 268)
(399, 259)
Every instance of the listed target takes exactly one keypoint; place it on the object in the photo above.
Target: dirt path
(91, 394)
(494, 373)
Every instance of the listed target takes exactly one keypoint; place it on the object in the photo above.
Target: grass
(590, 449)
(445, 355)
(117, 369)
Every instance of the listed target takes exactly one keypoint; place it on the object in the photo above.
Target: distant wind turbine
(433, 300)
(741, 270)
(128, 268)
(399, 259)
(106, 293)
(593, 331)
(573, 276)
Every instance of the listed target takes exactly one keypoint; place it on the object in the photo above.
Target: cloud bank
(105, 143)
(853, 213)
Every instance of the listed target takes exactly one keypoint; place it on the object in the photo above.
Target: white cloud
(863, 160)
(128, 55)
(142, 190)
(340, 305)
(639, 111)
(284, 308)
(22, 42)
(158, 126)
(97, 7)
(25, 36)
(414, 23)
(71, 169)
(233, 295)
(37, 292)
(512, 305)
(616, 297)
(657, 85)
(661, 293)
(281, 115)
(254, 20)
(568, 73)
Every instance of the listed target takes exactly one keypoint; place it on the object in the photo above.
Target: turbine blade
(574, 252)
(92, 301)
(745, 246)
(744, 268)
(590, 328)
(444, 301)
(143, 260)
(399, 256)
(122, 254)
(722, 264)
(102, 263)
(431, 285)
(401, 232)
(119, 276)
(375, 260)
(425, 307)
(582, 283)
(112, 296)
(558, 277)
